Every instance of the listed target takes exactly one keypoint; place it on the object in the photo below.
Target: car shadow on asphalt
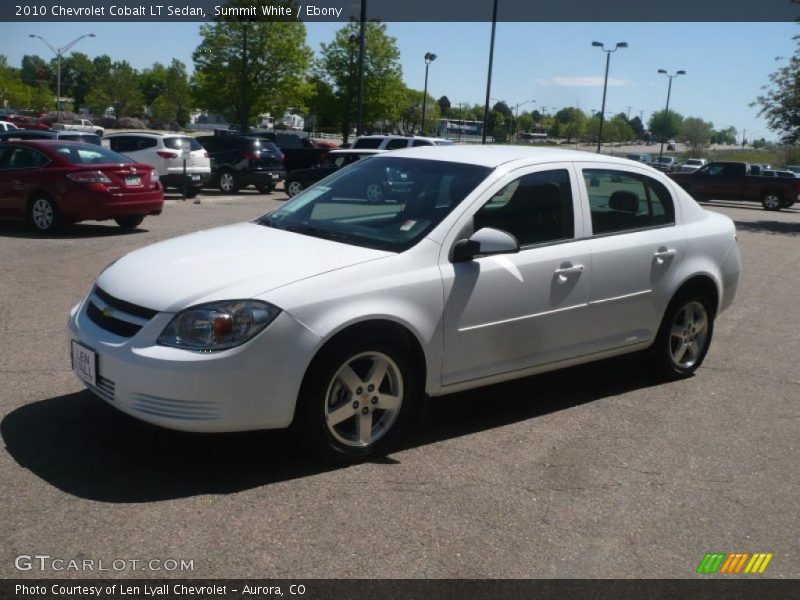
(774, 227)
(67, 232)
(81, 445)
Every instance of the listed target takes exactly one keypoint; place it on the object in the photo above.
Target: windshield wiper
(316, 232)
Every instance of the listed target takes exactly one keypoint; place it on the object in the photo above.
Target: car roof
(494, 156)
(156, 134)
(356, 151)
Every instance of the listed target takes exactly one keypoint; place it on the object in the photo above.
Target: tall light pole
(489, 74)
(605, 84)
(59, 52)
(666, 111)
(516, 115)
(362, 51)
(429, 58)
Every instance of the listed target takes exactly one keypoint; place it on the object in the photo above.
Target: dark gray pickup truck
(734, 181)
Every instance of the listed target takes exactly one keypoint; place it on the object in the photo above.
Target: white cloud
(584, 81)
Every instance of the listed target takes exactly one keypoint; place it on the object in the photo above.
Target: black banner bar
(400, 10)
(733, 588)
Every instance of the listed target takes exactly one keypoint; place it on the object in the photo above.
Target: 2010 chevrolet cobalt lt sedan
(336, 313)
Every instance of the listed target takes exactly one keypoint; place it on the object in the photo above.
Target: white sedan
(335, 314)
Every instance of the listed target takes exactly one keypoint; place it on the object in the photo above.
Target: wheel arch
(704, 283)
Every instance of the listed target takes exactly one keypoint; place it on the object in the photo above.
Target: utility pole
(489, 75)
(362, 34)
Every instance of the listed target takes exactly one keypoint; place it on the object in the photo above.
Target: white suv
(164, 152)
(394, 142)
(7, 126)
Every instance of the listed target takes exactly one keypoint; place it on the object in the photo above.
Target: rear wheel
(43, 214)
(267, 188)
(356, 399)
(293, 188)
(684, 336)
(129, 221)
(228, 182)
(771, 201)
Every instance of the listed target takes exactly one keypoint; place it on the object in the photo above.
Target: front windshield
(387, 203)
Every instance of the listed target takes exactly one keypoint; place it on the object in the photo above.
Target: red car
(24, 122)
(50, 182)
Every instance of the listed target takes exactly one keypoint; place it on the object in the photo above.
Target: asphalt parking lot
(597, 471)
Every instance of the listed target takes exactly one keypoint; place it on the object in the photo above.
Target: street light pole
(489, 75)
(516, 115)
(362, 36)
(59, 52)
(605, 84)
(666, 110)
(429, 58)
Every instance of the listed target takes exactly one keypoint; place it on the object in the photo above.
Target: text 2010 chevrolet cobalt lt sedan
(335, 313)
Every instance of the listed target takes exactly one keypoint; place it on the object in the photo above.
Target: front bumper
(253, 386)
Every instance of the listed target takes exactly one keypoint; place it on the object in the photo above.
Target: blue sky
(552, 63)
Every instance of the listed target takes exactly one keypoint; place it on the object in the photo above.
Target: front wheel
(356, 399)
(684, 336)
(228, 183)
(293, 188)
(771, 201)
(129, 221)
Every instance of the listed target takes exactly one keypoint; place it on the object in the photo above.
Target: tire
(193, 192)
(374, 193)
(293, 187)
(99, 133)
(684, 337)
(771, 201)
(228, 182)
(325, 393)
(129, 221)
(43, 214)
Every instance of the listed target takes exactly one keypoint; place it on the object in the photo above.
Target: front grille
(104, 388)
(117, 316)
(192, 410)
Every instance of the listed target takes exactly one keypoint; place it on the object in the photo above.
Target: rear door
(20, 176)
(636, 244)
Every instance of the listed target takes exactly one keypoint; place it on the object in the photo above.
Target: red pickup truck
(733, 181)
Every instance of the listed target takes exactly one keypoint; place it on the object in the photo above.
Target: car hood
(228, 263)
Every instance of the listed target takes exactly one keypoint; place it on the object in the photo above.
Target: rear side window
(131, 143)
(621, 201)
(177, 143)
(368, 143)
(21, 158)
(422, 143)
(85, 154)
(395, 143)
(536, 208)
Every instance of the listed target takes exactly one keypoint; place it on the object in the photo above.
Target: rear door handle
(662, 254)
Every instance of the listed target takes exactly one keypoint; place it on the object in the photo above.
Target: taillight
(154, 179)
(323, 157)
(165, 154)
(251, 155)
(89, 177)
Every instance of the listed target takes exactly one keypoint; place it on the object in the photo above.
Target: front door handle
(562, 273)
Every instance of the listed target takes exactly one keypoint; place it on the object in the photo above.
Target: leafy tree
(35, 70)
(324, 105)
(12, 89)
(637, 126)
(525, 122)
(724, 136)
(665, 125)
(77, 77)
(174, 103)
(42, 98)
(696, 133)
(618, 129)
(444, 105)
(243, 69)
(780, 104)
(571, 123)
(153, 82)
(411, 110)
(386, 99)
(117, 88)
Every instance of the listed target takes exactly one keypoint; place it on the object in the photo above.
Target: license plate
(133, 181)
(274, 175)
(84, 363)
(195, 177)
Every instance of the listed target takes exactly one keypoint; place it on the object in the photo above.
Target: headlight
(218, 325)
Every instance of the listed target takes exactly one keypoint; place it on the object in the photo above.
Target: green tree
(780, 103)
(696, 133)
(665, 125)
(525, 122)
(243, 69)
(118, 88)
(35, 70)
(42, 98)
(444, 105)
(324, 106)
(77, 77)
(724, 136)
(153, 82)
(12, 90)
(571, 123)
(174, 103)
(637, 126)
(385, 95)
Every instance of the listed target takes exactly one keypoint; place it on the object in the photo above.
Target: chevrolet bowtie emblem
(107, 311)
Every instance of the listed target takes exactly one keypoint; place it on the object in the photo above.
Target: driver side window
(536, 208)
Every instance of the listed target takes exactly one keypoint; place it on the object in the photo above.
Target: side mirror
(485, 242)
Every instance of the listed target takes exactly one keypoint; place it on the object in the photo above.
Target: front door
(509, 312)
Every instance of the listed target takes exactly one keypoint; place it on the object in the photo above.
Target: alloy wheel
(364, 399)
(227, 182)
(689, 334)
(43, 214)
(772, 202)
(294, 188)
